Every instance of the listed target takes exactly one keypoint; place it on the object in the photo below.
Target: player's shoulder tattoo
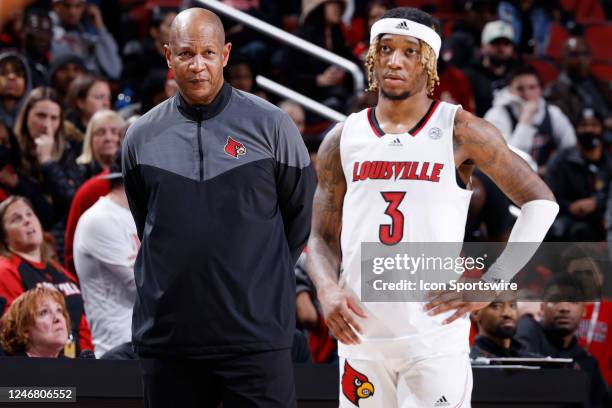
(477, 137)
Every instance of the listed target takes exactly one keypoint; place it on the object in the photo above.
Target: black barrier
(106, 383)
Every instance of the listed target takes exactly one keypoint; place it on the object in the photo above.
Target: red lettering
(423, 175)
(356, 172)
(388, 170)
(413, 169)
(435, 173)
(365, 169)
(375, 170)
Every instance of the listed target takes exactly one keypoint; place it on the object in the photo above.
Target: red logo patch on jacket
(355, 385)
(234, 148)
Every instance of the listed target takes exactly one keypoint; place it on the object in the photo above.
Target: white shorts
(436, 382)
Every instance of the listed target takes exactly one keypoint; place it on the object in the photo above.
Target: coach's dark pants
(263, 379)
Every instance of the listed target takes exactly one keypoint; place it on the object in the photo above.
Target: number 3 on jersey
(391, 234)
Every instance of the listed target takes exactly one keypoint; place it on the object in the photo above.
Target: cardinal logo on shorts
(234, 148)
(355, 386)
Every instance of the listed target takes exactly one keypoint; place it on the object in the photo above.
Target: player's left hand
(462, 302)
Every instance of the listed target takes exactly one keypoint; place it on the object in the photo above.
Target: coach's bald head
(197, 54)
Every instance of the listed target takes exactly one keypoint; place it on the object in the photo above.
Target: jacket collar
(489, 346)
(204, 112)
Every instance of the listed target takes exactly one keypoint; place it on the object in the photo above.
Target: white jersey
(105, 248)
(401, 188)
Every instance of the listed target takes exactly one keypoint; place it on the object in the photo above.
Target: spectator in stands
(14, 182)
(143, 57)
(576, 88)
(594, 331)
(461, 46)
(45, 154)
(496, 330)
(24, 265)
(296, 113)
(80, 30)
(375, 10)
(454, 86)
(87, 95)
(102, 141)
(490, 72)
(105, 247)
(579, 177)
(489, 217)
(531, 21)
(11, 19)
(36, 324)
(525, 119)
(309, 318)
(36, 44)
(14, 86)
(65, 69)
(247, 41)
(86, 196)
(555, 335)
(328, 84)
(239, 73)
(153, 90)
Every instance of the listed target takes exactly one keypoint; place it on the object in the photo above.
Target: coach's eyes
(185, 54)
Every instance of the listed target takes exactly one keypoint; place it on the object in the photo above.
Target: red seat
(599, 37)
(558, 36)
(547, 71)
(586, 11)
(602, 71)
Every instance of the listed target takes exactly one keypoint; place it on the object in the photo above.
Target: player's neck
(407, 111)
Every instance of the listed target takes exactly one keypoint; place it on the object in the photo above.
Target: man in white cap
(490, 73)
(390, 174)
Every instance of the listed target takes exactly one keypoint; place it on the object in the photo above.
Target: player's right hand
(340, 310)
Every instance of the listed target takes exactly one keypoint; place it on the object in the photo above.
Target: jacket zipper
(200, 150)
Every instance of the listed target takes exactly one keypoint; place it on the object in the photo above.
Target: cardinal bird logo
(355, 386)
(234, 148)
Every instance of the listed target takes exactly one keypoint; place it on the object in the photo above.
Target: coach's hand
(340, 309)
(462, 302)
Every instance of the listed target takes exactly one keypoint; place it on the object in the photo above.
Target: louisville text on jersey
(403, 170)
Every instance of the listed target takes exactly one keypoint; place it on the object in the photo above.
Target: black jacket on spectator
(304, 68)
(89, 170)
(485, 347)
(61, 179)
(541, 341)
(484, 83)
(573, 96)
(571, 177)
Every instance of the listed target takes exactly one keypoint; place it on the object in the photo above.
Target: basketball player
(405, 354)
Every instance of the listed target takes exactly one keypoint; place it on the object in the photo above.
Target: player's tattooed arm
(339, 307)
(324, 242)
(479, 142)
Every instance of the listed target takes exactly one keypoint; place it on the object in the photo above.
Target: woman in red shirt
(24, 264)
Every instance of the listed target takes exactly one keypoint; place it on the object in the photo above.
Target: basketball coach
(220, 186)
